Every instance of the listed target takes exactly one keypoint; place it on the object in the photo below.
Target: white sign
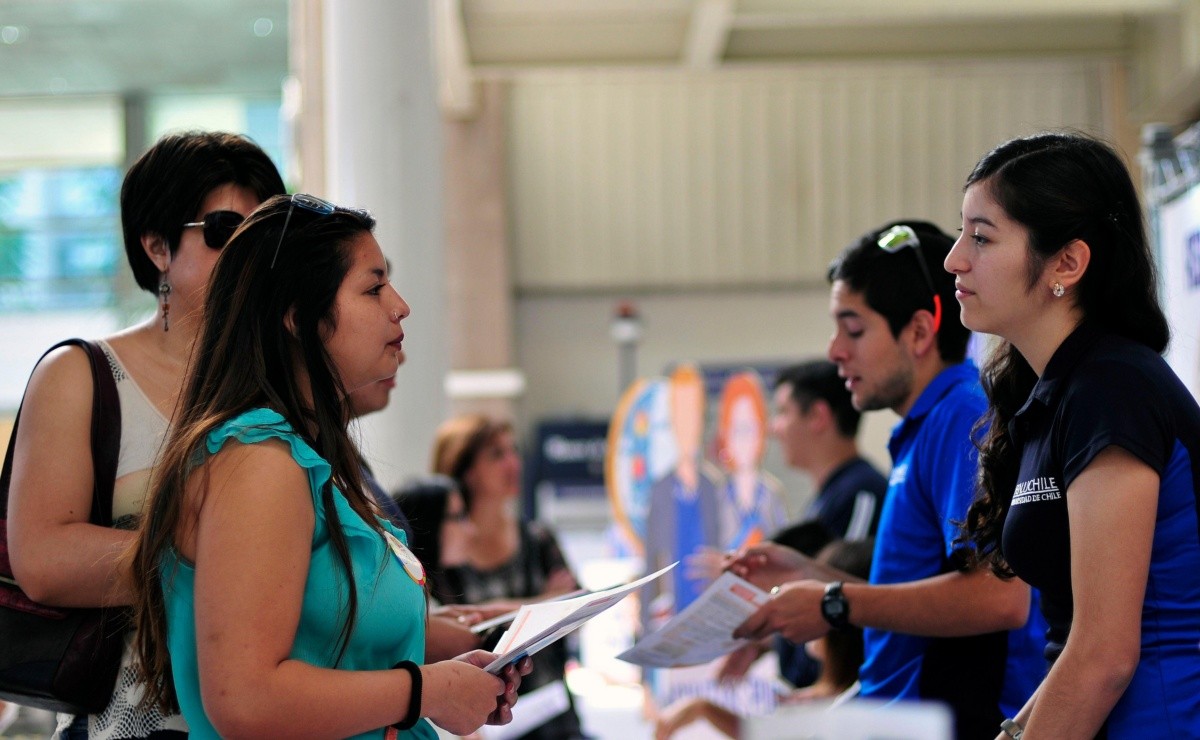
(1179, 242)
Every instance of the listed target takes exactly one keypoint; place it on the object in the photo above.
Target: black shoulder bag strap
(106, 435)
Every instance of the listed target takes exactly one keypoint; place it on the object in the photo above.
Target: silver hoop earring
(1058, 290)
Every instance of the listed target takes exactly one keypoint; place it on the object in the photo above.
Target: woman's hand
(465, 615)
(560, 582)
(511, 675)
(462, 696)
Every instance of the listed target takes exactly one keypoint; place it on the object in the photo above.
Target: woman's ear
(289, 322)
(157, 250)
(1069, 265)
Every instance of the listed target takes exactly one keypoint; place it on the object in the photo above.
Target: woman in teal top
(272, 599)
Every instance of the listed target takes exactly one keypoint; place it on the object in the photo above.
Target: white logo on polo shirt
(1036, 489)
(899, 475)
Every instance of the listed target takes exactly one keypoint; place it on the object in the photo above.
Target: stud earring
(164, 297)
(1058, 290)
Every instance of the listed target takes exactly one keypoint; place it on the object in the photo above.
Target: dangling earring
(1058, 290)
(164, 297)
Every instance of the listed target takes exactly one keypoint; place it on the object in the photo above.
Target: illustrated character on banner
(752, 502)
(684, 515)
(751, 499)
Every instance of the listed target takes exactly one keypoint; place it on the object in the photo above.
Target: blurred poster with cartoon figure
(673, 505)
(640, 451)
(751, 501)
(684, 513)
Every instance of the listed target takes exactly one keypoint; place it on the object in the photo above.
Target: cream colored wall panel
(663, 180)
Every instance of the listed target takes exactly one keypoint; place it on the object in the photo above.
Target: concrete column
(383, 147)
(131, 301)
(478, 266)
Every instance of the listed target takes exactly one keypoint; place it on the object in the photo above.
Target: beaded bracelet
(414, 698)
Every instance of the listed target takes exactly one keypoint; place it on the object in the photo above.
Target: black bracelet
(414, 698)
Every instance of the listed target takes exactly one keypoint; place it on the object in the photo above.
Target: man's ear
(157, 250)
(819, 416)
(1069, 265)
(923, 336)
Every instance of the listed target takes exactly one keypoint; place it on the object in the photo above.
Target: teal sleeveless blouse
(390, 624)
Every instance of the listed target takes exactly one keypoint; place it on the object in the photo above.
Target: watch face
(834, 607)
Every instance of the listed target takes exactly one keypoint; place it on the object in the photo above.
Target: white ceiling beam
(839, 12)
(457, 92)
(766, 16)
(708, 33)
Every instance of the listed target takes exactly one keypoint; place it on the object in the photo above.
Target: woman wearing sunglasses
(271, 599)
(179, 203)
(1090, 470)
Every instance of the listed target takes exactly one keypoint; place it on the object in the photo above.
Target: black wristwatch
(834, 607)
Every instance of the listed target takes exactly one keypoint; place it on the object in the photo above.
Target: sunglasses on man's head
(218, 227)
(901, 236)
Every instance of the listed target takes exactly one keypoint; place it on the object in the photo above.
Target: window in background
(60, 246)
(256, 116)
(63, 270)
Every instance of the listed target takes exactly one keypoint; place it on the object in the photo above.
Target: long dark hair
(247, 357)
(424, 502)
(1060, 187)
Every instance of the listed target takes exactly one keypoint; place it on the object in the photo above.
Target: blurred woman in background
(507, 561)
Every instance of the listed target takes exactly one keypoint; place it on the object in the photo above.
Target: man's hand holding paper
(769, 564)
(794, 611)
(702, 631)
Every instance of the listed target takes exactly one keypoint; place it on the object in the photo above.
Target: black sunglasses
(218, 227)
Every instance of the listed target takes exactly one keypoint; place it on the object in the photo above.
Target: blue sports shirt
(982, 678)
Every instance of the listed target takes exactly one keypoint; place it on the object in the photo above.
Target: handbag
(65, 659)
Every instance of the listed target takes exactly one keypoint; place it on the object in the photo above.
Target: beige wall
(625, 180)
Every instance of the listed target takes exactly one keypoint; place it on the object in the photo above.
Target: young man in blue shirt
(933, 630)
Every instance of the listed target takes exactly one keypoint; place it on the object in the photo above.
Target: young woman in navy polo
(1090, 470)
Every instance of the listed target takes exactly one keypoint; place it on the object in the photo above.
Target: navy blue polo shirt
(1100, 390)
(932, 484)
(850, 503)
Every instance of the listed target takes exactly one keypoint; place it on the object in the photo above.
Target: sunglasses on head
(218, 227)
(310, 203)
(900, 237)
